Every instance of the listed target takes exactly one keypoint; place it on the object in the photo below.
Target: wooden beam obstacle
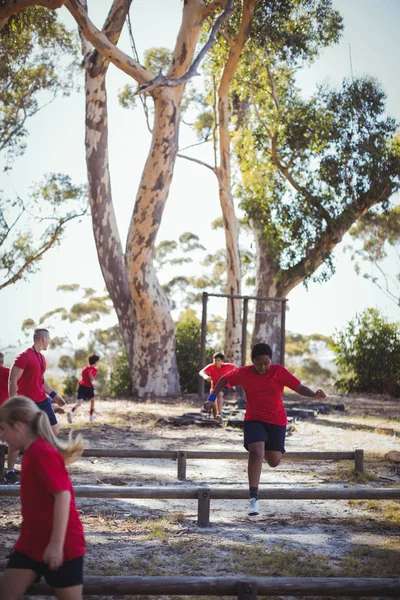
(241, 588)
(203, 495)
(182, 456)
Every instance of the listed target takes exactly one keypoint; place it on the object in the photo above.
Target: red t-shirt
(264, 392)
(43, 474)
(86, 371)
(215, 374)
(30, 383)
(4, 375)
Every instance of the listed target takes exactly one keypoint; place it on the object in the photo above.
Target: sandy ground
(292, 538)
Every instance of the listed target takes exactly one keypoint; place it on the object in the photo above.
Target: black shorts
(85, 392)
(46, 407)
(258, 431)
(68, 575)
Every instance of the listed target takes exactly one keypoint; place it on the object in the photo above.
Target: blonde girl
(51, 541)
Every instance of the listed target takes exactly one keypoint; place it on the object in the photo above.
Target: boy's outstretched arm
(209, 403)
(303, 390)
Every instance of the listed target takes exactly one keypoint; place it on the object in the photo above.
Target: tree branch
(329, 239)
(161, 81)
(196, 160)
(105, 47)
(42, 250)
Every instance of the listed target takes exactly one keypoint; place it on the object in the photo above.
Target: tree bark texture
(233, 328)
(154, 366)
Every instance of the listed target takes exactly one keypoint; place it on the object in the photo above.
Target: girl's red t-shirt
(86, 371)
(264, 392)
(43, 474)
(4, 375)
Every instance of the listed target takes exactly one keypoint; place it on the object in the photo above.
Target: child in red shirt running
(265, 420)
(86, 387)
(213, 372)
(51, 541)
(4, 376)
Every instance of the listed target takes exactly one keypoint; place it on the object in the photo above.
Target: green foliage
(368, 355)
(37, 54)
(377, 231)
(302, 352)
(120, 378)
(70, 383)
(188, 338)
(29, 228)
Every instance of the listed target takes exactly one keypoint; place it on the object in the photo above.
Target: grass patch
(387, 511)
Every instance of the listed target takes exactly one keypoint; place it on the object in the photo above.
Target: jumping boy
(265, 417)
(213, 372)
(86, 387)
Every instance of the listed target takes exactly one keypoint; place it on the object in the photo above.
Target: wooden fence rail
(204, 495)
(242, 588)
(183, 455)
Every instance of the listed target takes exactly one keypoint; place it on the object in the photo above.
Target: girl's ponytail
(24, 410)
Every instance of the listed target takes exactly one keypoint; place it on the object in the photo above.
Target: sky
(56, 144)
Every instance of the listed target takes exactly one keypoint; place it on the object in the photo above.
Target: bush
(368, 355)
(188, 338)
(70, 383)
(120, 379)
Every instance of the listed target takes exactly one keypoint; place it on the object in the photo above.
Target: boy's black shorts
(85, 392)
(258, 431)
(68, 575)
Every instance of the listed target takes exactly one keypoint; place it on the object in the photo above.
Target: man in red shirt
(213, 372)
(27, 377)
(265, 418)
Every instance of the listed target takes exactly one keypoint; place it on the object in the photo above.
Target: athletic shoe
(218, 417)
(11, 478)
(254, 508)
(92, 417)
(70, 416)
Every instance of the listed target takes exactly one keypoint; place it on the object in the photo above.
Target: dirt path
(289, 538)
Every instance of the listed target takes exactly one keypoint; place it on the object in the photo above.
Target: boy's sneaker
(70, 416)
(219, 418)
(11, 478)
(254, 507)
(92, 417)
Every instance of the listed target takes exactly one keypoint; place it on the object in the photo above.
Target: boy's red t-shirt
(264, 392)
(30, 384)
(215, 374)
(4, 375)
(43, 474)
(86, 371)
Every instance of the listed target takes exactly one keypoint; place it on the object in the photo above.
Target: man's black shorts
(46, 407)
(258, 431)
(68, 575)
(85, 392)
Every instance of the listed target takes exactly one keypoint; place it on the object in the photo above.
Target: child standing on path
(213, 372)
(51, 541)
(86, 387)
(265, 418)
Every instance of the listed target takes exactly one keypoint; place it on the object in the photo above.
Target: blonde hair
(23, 410)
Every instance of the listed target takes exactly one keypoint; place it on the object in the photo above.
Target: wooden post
(244, 329)
(283, 327)
(203, 342)
(247, 590)
(359, 461)
(182, 456)
(2, 458)
(203, 510)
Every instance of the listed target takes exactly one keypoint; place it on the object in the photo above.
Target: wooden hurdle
(242, 588)
(203, 495)
(181, 456)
